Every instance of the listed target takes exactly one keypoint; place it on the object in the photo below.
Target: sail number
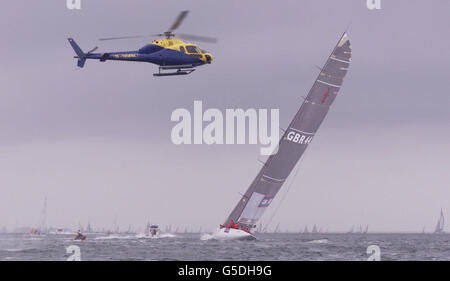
(299, 138)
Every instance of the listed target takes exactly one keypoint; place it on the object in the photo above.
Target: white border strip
(303, 132)
(339, 60)
(332, 85)
(273, 178)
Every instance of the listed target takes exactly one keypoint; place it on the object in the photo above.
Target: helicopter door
(182, 49)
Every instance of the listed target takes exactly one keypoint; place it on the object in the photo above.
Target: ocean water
(190, 246)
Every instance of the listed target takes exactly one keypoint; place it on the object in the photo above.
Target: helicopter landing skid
(180, 70)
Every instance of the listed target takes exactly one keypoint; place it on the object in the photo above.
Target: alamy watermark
(75, 253)
(374, 253)
(373, 4)
(73, 4)
(229, 129)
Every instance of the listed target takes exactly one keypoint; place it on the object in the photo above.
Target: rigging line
(287, 191)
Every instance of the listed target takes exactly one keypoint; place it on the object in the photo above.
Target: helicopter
(173, 55)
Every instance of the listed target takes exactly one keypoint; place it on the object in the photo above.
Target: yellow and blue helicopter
(168, 53)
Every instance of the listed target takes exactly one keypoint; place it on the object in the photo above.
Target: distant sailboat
(366, 230)
(277, 228)
(43, 224)
(292, 145)
(147, 229)
(440, 224)
(352, 229)
(116, 228)
(305, 231)
(89, 228)
(314, 230)
(42, 227)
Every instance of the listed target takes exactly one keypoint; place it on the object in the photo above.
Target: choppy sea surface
(190, 246)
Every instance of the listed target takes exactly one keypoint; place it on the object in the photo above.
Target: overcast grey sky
(96, 142)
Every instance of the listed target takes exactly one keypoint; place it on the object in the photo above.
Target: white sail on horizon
(440, 224)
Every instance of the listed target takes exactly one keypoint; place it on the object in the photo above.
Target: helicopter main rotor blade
(122, 37)
(197, 38)
(130, 37)
(178, 21)
(93, 50)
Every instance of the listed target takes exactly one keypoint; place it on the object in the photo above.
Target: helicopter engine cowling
(150, 48)
(104, 57)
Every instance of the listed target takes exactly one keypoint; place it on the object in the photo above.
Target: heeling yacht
(440, 224)
(295, 140)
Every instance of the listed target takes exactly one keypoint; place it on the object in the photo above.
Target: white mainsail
(306, 231)
(440, 224)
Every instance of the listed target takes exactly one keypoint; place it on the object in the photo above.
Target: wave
(18, 249)
(162, 235)
(206, 236)
(227, 234)
(318, 241)
(109, 237)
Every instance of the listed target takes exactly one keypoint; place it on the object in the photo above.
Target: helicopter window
(182, 49)
(192, 49)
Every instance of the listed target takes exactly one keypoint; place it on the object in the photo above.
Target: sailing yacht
(89, 228)
(352, 229)
(360, 231)
(292, 145)
(305, 231)
(42, 227)
(440, 224)
(277, 228)
(366, 230)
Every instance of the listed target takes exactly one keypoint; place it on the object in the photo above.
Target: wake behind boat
(151, 231)
(292, 145)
